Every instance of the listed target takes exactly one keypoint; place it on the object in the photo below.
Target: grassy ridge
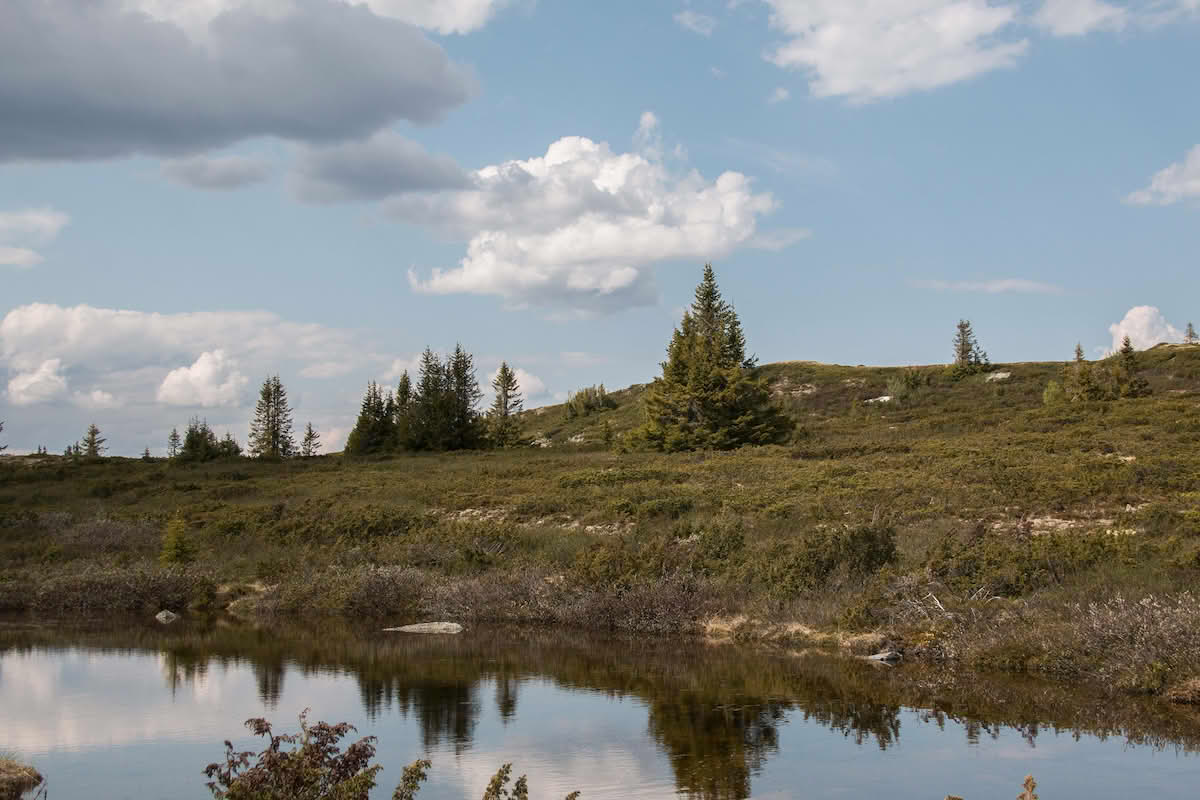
(963, 520)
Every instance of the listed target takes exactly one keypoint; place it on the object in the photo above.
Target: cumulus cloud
(999, 286)
(384, 164)
(40, 385)
(1180, 181)
(117, 339)
(579, 227)
(20, 231)
(216, 172)
(696, 22)
(1077, 17)
(86, 79)
(213, 380)
(1145, 326)
(96, 399)
(867, 50)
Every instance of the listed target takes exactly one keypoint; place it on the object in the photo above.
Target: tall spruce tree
(465, 394)
(93, 442)
(372, 432)
(1190, 335)
(173, 443)
(402, 412)
(707, 397)
(310, 445)
(429, 418)
(504, 429)
(271, 428)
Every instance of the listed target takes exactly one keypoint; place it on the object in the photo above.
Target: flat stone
(166, 617)
(428, 627)
(886, 657)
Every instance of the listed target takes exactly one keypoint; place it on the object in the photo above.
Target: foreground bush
(311, 765)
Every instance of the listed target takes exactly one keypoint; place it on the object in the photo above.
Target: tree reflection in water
(714, 711)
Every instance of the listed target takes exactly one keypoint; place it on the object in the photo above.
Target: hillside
(824, 393)
(967, 522)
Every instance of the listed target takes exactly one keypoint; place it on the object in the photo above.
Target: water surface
(131, 710)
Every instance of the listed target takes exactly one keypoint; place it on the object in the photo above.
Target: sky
(196, 194)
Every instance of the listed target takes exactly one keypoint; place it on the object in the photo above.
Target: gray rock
(998, 376)
(166, 617)
(886, 657)
(428, 627)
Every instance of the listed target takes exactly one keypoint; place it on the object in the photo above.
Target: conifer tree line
(439, 410)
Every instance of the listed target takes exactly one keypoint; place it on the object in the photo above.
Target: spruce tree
(199, 442)
(271, 429)
(430, 414)
(372, 432)
(173, 443)
(464, 397)
(146, 455)
(310, 445)
(969, 357)
(707, 396)
(229, 447)
(402, 412)
(93, 442)
(504, 428)
(3, 447)
(1130, 382)
(1190, 335)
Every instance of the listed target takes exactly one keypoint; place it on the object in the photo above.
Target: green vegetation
(587, 401)
(969, 357)
(504, 428)
(968, 519)
(311, 765)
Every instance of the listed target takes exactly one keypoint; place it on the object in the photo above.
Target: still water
(133, 711)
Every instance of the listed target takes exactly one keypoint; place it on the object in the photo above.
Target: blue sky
(194, 194)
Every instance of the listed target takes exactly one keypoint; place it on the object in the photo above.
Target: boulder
(428, 627)
(998, 376)
(166, 617)
(887, 398)
(886, 657)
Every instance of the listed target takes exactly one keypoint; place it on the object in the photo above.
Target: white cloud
(867, 50)
(580, 226)
(40, 385)
(999, 286)
(778, 96)
(20, 229)
(1145, 326)
(333, 438)
(213, 380)
(97, 398)
(115, 339)
(696, 22)
(717, 72)
(216, 172)
(443, 16)
(1077, 17)
(1180, 181)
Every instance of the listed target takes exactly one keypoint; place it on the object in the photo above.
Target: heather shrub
(98, 589)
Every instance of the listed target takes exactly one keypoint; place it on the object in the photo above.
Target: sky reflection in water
(139, 714)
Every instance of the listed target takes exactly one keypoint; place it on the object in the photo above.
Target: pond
(128, 709)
